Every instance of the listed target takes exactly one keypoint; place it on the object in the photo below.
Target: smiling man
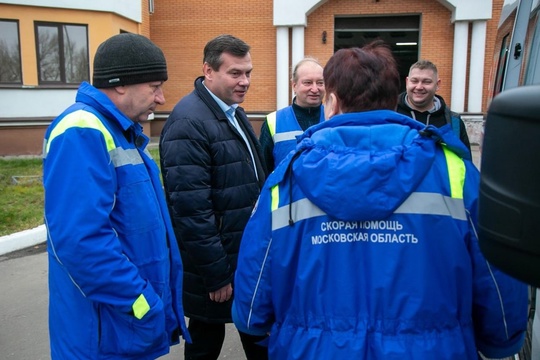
(279, 131)
(212, 173)
(421, 103)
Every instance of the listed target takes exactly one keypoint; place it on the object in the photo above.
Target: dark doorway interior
(400, 32)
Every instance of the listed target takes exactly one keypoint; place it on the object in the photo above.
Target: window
(10, 53)
(532, 75)
(62, 51)
(501, 66)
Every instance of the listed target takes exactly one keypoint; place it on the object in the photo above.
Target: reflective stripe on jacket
(363, 246)
(284, 129)
(115, 274)
(425, 203)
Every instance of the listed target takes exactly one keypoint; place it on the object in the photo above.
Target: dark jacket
(438, 118)
(211, 188)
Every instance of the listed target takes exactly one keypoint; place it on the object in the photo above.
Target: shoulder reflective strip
(121, 157)
(416, 203)
(140, 307)
(456, 173)
(81, 119)
(433, 204)
(271, 121)
(291, 135)
(148, 153)
(44, 149)
(275, 197)
(301, 210)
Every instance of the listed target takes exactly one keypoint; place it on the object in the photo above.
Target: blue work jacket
(115, 273)
(284, 129)
(363, 246)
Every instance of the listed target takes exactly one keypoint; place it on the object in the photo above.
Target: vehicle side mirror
(509, 202)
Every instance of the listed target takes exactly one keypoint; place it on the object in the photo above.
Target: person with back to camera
(421, 102)
(115, 273)
(279, 131)
(212, 174)
(363, 242)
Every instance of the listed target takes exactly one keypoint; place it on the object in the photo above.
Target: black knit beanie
(126, 59)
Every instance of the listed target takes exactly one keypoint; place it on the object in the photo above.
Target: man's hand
(222, 294)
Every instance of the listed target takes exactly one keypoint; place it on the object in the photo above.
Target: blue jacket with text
(115, 273)
(363, 246)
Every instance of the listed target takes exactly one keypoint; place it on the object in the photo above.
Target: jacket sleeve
(499, 301)
(267, 146)
(80, 186)
(186, 165)
(252, 309)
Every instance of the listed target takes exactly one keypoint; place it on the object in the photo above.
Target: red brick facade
(182, 28)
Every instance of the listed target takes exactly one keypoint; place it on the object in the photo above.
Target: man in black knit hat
(115, 273)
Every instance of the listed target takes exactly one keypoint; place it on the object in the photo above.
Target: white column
(297, 44)
(282, 67)
(297, 50)
(297, 47)
(459, 68)
(476, 68)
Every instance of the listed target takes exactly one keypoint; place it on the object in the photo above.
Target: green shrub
(21, 193)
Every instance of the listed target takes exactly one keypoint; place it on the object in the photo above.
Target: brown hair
(363, 78)
(424, 65)
(223, 44)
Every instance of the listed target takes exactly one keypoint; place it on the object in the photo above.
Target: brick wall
(182, 28)
(436, 35)
(145, 25)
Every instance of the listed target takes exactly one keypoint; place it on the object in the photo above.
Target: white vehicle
(509, 203)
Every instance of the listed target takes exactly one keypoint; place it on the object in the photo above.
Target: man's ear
(121, 90)
(293, 86)
(438, 83)
(208, 71)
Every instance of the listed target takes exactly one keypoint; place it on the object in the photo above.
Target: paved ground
(24, 299)
(23, 314)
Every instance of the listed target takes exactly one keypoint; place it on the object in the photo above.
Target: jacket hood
(362, 166)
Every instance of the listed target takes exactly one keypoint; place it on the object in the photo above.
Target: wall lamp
(324, 37)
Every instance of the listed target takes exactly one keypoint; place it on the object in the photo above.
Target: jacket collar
(207, 98)
(95, 98)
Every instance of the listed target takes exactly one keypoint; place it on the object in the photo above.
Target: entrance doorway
(401, 33)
